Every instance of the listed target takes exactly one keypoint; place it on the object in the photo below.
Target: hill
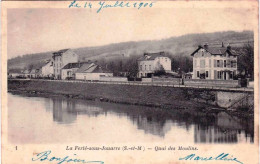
(175, 46)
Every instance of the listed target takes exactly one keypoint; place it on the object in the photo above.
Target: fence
(201, 82)
(177, 81)
(119, 79)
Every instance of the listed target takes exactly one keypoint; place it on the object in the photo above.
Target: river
(63, 120)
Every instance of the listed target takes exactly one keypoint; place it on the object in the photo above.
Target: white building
(13, 73)
(151, 62)
(69, 70)
(92, 71)
(62, 58)
(218, 63)
(48, 69)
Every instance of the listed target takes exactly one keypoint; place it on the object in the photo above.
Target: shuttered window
(202, 63)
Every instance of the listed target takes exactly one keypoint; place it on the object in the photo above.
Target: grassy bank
(165, 97)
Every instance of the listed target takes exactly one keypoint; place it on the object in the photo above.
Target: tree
(246, 60)
(160, 71)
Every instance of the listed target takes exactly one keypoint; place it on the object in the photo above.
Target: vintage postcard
(130, 82)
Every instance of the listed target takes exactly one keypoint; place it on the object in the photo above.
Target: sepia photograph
(178, 75)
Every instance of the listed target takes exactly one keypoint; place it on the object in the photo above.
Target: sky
(41, 30)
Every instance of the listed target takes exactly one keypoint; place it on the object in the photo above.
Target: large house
(48, 69)
(218, 63)
(92, 71)
(62, 58)
(151, 62)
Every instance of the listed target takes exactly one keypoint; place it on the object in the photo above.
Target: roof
(60, 52)
(92, 68)
(15, 71)
(84, 67)
(99, 69)
(73, 65)
(35, 70)
(26, 71)
(217, 50)
(152, 56)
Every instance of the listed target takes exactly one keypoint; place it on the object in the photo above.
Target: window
(150, 67)
(225, 63)
(140, 67)
(218, 63)
(207, 73)
(198, 73)
(219, 75)
(202, 63)
(145, 67)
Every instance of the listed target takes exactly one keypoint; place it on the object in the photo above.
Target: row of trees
(129, 66)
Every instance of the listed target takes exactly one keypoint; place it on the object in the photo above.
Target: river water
(62, 120)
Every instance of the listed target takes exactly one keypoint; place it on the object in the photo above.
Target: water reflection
(90, 118)
(215, 128)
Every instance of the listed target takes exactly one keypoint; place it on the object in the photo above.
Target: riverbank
(188, 99)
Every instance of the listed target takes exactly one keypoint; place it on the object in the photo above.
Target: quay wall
(158, 96)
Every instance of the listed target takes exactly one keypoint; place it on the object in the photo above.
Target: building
(151, 62)
(26, 73)
(14, 73)
(69, 70)
(216, 63)
(62, 58)
(48, 69)
(35, 73)
(92, 71)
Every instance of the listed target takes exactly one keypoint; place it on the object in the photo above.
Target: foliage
(181, 46)
(182, 63)
(246, 61)
(160, 71)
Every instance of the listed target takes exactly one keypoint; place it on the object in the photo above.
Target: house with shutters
(151, 62)
(215, 63)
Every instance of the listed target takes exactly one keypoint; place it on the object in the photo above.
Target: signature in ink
(220, 157)
(45, 156)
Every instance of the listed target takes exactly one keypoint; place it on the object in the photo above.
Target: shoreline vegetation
(192, 101)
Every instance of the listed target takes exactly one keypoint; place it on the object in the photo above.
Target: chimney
(206, 45)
